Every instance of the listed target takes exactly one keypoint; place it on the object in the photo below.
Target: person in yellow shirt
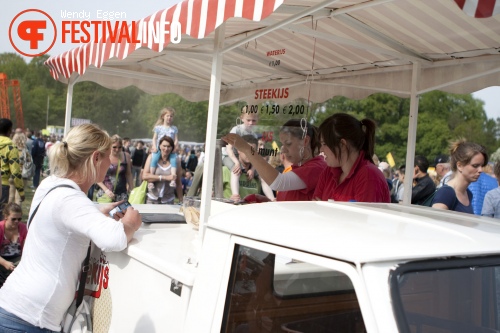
(9, 157)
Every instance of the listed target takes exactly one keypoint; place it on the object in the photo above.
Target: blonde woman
(118, 181)
(38, 293)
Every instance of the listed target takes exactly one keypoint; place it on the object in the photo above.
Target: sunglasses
(16, 219)
(114, 147)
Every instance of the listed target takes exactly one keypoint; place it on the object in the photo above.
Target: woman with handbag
(159, 189)
(38, 293)
(12, 236)
(118, 176)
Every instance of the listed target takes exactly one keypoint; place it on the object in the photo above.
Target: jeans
(4, 199)
(36, 177)
(12, 324)
(136, 174)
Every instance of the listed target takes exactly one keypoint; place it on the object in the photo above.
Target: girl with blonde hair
(118, 181)
(164, 127)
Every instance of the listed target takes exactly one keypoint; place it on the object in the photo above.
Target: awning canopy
(282, 50)
(313, 49)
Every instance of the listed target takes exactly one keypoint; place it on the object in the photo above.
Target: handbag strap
(118, 172)
(83, 278)
(36, 209)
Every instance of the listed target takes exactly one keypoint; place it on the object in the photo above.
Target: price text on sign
(276, 109)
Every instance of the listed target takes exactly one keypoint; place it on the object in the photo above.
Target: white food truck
(302, 266)
(310, 267)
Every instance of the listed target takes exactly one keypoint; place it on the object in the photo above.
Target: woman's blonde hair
(73, 155)
(163, 112)
(19, 140)
(116, 138)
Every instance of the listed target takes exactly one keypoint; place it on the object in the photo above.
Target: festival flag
(390, 160)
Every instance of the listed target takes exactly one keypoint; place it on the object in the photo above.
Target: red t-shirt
(365, 183)
(308, 173)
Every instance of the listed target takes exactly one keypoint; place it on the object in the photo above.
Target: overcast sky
(134, 10)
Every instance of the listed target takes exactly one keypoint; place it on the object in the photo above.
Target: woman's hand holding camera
(131, 222)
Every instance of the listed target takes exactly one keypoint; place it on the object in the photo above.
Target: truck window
(448, 296)
(268, 293)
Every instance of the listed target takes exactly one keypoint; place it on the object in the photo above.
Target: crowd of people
(335, 161)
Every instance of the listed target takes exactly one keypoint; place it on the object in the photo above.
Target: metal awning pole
(212, 119)
(69, 104)
(412, 134)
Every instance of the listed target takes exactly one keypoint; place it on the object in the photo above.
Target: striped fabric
(196, 18)
(479, 8)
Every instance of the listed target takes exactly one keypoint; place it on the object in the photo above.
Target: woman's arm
(131, 222)
(106, 190)
(128, 174)
(154, 146)
(176, 142)
(265, 170)
(440, 206)
(229, 151)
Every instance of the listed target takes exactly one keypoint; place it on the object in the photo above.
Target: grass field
(26, 204)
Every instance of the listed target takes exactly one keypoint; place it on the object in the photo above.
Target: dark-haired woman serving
(351, 175)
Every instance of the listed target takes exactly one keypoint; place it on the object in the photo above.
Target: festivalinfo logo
(33, 32)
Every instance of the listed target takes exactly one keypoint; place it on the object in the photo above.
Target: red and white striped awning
(315, 49)
(197, 18)
(479, 8)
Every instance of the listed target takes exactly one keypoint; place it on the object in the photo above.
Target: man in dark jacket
(38, 154)
(424, 185)
(191, 161)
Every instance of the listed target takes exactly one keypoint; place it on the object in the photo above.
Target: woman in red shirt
(348, 147)
(300, 146)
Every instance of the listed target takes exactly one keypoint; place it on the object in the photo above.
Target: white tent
(287, 49)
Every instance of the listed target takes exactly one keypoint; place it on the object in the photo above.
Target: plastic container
(191, 210)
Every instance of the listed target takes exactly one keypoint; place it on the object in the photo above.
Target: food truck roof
(362, 233)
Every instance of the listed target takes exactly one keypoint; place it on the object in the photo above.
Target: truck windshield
(447, 296)
(270, 293)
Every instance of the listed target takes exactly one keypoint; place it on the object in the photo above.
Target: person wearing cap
(443, 169)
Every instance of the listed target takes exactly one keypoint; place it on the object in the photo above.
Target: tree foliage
(442, 116)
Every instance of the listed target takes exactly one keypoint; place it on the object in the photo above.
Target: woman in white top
(160, 191)
(37, 294)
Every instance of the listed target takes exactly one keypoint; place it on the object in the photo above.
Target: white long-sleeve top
(43, 286)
